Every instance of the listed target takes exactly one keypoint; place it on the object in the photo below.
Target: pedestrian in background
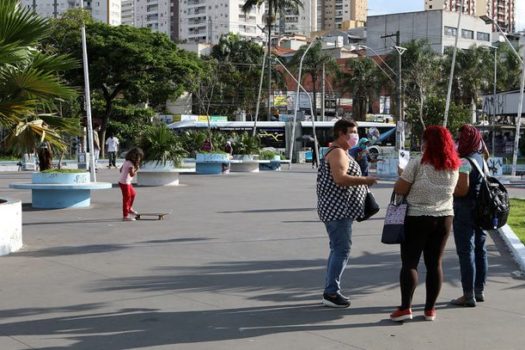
(128, 170)
(112, 144)
(341, 192)
(428, 183)
(470, 238)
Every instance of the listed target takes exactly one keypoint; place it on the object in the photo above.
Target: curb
(517, 248)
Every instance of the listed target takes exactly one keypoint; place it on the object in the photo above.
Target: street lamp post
(297, 99)
(488, 20)
(494, 99)
(88, 101)
(451, 78)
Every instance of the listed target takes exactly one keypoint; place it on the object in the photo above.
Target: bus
(278, 134)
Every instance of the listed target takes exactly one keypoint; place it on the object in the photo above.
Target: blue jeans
(470, 246)
(340, 234)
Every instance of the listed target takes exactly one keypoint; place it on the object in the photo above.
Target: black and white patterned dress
(336, 202)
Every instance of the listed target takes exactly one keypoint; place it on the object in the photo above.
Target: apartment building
(503, 11)
(303, 22)
(439, 27)
(206, 20)
(341, 14)
(107, 11)
(128, 12)
(153, 14)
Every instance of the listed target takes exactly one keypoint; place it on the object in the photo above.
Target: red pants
(128, 196)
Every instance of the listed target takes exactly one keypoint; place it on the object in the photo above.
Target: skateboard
(159, 215)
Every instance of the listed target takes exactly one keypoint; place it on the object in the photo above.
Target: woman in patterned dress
(428, 184)
(341, 192)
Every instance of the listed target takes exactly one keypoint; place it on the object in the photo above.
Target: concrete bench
(161, 176)
(211, 167)
(246, 166)
(60, 196)
(274, 165)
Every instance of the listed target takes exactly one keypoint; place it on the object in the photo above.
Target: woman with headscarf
(469, 237)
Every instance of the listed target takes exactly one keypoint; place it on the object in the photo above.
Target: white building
(304, 22)
(107, 11)
(153, 14)
(439, 27)
(207, 20)
(128, 12)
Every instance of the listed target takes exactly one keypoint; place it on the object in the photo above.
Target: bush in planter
(63, 171)
(245, 143)
(193, 140)
(161, 145)
(267, 155)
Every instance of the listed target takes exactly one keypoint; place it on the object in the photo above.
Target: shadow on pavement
(138, 328)
(267, 210)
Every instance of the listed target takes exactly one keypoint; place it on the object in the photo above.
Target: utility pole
(34, 5)
(323, 87)
(270, 60)
(55, 8)
(398, 80)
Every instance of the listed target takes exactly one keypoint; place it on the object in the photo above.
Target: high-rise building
(341, 14)
(107, 11)
(128, 12)
(207, 20)
(153, 14)
(302, 22)
(502, 11)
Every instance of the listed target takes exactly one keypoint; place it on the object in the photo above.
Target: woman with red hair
(469, 237)
(428, 184)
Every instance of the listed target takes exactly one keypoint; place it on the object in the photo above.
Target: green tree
(125, 62)
(421, 72)
(362, 80)
(30, 84)
(313, 64)
(239, 68)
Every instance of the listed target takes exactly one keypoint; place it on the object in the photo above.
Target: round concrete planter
(154, 173)
(211, 163)
(60, 178)
(11, 232)
(61, 190)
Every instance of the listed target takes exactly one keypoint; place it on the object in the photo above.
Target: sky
(380, 7)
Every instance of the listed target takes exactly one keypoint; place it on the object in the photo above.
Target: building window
(467, 34)
(450, 31)
(483, 36)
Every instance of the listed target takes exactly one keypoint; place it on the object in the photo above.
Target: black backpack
(492, 203)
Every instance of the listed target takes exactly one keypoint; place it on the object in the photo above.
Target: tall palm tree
(30, 85)
(274, 7)
(313, 64)
(362, 80)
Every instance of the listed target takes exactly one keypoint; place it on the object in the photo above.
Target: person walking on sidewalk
(428, 184)
(341, 192)
(127, 172)
(112, 144)
(470, 238)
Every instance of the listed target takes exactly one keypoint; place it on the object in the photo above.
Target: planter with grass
(246, 150)
(11, 232)
(61, 188)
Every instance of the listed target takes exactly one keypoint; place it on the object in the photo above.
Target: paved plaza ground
(239, 264)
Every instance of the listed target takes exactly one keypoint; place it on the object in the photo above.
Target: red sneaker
(401, 315)
(430, 315)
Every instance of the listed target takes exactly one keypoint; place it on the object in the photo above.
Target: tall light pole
(451, 78)
(316, 151)
(488, 20)
(88, 101)
(297, 98)
(494, 99)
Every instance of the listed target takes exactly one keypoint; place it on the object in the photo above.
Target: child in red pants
(127, 172)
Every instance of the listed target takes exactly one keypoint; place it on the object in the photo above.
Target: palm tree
(313, 64)
(30, 87)
(274, 7)
(421, 71)
(362, 81)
